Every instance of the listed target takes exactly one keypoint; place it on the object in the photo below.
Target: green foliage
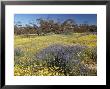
(18, 52)
(89, 54)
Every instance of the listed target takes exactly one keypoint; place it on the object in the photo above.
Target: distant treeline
(50, 26)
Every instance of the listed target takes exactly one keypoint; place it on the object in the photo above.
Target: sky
(78, 18)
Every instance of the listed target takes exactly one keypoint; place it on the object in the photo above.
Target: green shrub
(89, 54)
(18, 52)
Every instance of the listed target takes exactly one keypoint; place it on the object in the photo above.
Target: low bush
(62, 58)
(18, 52)
(89, 54)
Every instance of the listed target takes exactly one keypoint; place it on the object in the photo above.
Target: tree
(68, 25)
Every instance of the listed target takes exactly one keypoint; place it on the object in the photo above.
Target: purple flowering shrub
(64, 59)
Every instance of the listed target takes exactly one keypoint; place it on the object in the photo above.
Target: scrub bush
(62, 58)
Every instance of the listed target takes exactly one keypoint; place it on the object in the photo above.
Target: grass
(26, 63)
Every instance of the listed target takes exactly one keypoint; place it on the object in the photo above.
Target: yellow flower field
(26, 63)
